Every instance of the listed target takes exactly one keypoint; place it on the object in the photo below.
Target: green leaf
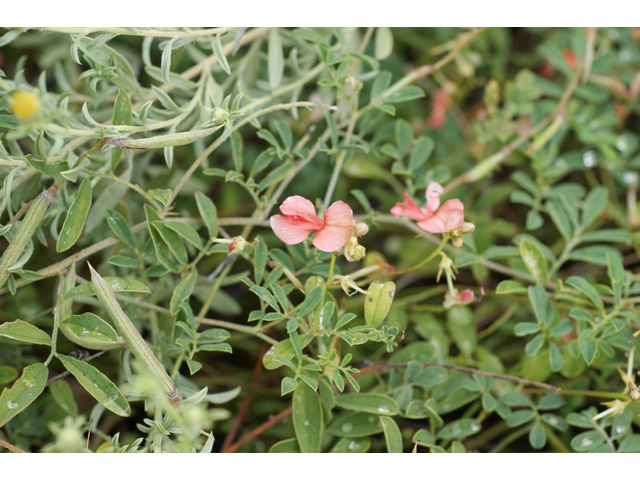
(183, 291)
(405, 94)
(24, 332)
(420, 153)
(352, 445)
(459, 429)
(98, 385)
(538, 299)
(284, 349)
(63, 396)
(219, 53)
(526, 328)
(260, 257)
(516, 399)
(462, 329)
(307, 418)
(276, 175)
(417, 409)
(193, 366)
(313, 298)
(74, 223)
(615, 271)
(588, 346)
(163, 195)
(24, 391)
(520, 417)
(122, 115)
(117, 284)
(286, 446)
(173, 241)
(368, 402)
(92, 327)
(594, 205)
(430, 377)
(555, 357)
(208, 213)
(631, 444)
(534, 261)
(47, 169)
(587, 441)
(9, 121)
(584, 287)
(392, 435)
(560, 218)
(288, 385)
(236, 151)
(383, 43)
(7, 374)
(120, 228)
(275, 59)
(356, 425)
(284, 130)
(510, 287)
(537, 436)
(378, 302)
(219, 347)
(124, 261)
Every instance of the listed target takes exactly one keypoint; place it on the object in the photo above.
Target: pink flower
(412, 211)
(300, 220)
(449, 216)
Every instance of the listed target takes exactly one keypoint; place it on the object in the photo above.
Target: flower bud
(237, 245)
(361, 229)
(458, 298)
(354, 252)
(467, 227)
(219, 115)
(354, 83)
(457, 242)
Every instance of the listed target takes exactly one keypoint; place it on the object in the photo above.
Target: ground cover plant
(319, 240)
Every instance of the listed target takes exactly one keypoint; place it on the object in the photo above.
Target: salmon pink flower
(411, 209)
(300, 220)
(449, 216)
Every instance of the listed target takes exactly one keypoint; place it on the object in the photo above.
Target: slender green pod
(161, 141)
(131, 336)
(64, 312)
(28, 226)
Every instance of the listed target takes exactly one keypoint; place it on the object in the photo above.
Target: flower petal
(301, 210)
(409, 209)
(449, 216)
(338, 227)
(290, 231)
(433, 192)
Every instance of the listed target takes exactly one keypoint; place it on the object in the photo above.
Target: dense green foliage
(159, 155)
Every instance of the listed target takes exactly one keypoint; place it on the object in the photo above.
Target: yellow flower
(24, 105)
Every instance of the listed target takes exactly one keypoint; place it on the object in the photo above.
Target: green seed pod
(64, 312)
(28, 226)
(161, 141)
(131, 336)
